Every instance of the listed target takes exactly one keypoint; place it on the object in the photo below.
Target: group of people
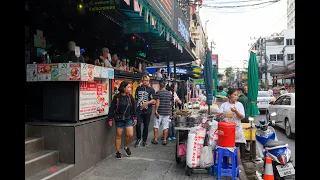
(128, 111)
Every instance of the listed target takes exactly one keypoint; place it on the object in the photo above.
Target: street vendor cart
(185, 121)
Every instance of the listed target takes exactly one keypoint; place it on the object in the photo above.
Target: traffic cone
(268, 171)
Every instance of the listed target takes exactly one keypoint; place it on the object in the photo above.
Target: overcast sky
(232, 31)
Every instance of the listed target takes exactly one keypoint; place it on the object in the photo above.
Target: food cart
(185, 120)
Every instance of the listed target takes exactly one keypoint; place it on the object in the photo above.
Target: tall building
(276, 56)
(291, 14)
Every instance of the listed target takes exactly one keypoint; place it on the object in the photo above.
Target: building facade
(291, 14)
(275, 55)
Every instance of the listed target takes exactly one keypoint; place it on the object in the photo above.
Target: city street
(280, 134)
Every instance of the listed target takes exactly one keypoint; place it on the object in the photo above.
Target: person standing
(158, 74)
(162, 113)
(164, 75)
(123, 111)
(244, 100)
(145, 99)
(182, 94)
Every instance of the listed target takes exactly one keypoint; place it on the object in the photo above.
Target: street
(281, 136)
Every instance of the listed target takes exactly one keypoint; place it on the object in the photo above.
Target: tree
(228, 71)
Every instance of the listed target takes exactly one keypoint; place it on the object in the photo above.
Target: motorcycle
(269, 146)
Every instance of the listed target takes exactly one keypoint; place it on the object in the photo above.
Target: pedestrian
(145, 99)
(162, 113)
(158, 74)
(244, 100)
(270, 91)
(123, 112)
(182, 94)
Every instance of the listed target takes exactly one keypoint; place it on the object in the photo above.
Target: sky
(231, 32)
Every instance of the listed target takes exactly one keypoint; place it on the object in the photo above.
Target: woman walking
(123, 112)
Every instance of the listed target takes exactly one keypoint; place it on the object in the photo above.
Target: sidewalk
(153, 162)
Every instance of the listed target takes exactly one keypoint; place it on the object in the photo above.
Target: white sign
(183, 30)
(77, 51)
(31, 72)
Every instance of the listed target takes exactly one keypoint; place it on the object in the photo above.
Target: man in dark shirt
(244, 100)
(182, 94)
(162, 113)
(115, 62)
(145, 99)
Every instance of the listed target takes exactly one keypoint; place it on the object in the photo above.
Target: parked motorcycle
(269, 146)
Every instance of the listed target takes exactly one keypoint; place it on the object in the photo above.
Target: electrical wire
(244, 5)
(252, 9)
(230, 2)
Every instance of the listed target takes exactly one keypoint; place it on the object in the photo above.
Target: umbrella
(215, 79)
(208, 76)
(252, 108)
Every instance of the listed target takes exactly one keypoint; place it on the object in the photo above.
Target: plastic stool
(222, 167)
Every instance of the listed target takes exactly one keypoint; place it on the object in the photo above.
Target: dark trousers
(145, 119)
(171, 130)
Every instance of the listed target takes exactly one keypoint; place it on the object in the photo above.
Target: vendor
(233, 111)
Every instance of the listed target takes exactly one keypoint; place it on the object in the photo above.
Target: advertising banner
(165, 9)
(94, 99)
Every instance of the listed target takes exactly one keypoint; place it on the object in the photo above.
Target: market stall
(71, 92)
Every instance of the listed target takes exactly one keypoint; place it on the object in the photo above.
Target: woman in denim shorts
(123, 112)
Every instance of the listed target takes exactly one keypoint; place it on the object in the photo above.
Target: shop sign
(87, 72)
(64, 70)
(130, 27)
(199, 81)
(183, 30)
(96, 5)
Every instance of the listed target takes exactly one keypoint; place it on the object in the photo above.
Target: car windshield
(263, 94)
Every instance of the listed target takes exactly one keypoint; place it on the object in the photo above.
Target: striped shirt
(165, 97)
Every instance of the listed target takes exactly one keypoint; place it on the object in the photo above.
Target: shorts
(124, 124)
(165, 122)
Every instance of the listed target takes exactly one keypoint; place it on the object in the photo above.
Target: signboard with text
(100, 5)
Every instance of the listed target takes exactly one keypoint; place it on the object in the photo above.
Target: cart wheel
(189, 171)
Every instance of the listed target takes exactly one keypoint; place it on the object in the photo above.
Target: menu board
(31, 72)
(75, 69)
(47, 72)
(67, 72)
(94, 99)
(116, 83)
(64, 70)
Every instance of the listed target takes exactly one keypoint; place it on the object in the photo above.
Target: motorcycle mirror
(250, 119)
(273, 114)
(273, 122)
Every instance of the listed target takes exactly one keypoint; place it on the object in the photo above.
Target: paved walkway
(154, 162)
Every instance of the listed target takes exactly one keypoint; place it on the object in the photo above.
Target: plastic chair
(222, 167)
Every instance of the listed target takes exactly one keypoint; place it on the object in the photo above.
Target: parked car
(264, 98)
(284, 107)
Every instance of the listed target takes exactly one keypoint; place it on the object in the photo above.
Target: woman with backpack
(123, 112)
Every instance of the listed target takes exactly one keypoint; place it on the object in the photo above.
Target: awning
(285, 76)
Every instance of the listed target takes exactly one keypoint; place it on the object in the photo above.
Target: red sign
(215, 59)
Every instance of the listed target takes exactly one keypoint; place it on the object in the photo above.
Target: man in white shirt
(270, 91)
(158, 74)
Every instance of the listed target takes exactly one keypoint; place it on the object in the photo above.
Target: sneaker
(169, 138)
(128, 152)
(164, 143)
(154, 141)
(118, 155)
(137, 143)
(144, 143)
(173, 138)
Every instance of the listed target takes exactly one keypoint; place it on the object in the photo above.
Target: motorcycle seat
(272, 143)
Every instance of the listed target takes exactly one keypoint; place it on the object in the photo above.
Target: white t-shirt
(225, 107)
(270, 91)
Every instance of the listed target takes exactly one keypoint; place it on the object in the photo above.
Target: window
(286, 100)
(279, 100)
(279, 57)
(273, 57)
(290, 57)
(290, 42)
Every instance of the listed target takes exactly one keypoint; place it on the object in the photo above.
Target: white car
(284, 107)
(264, 98)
